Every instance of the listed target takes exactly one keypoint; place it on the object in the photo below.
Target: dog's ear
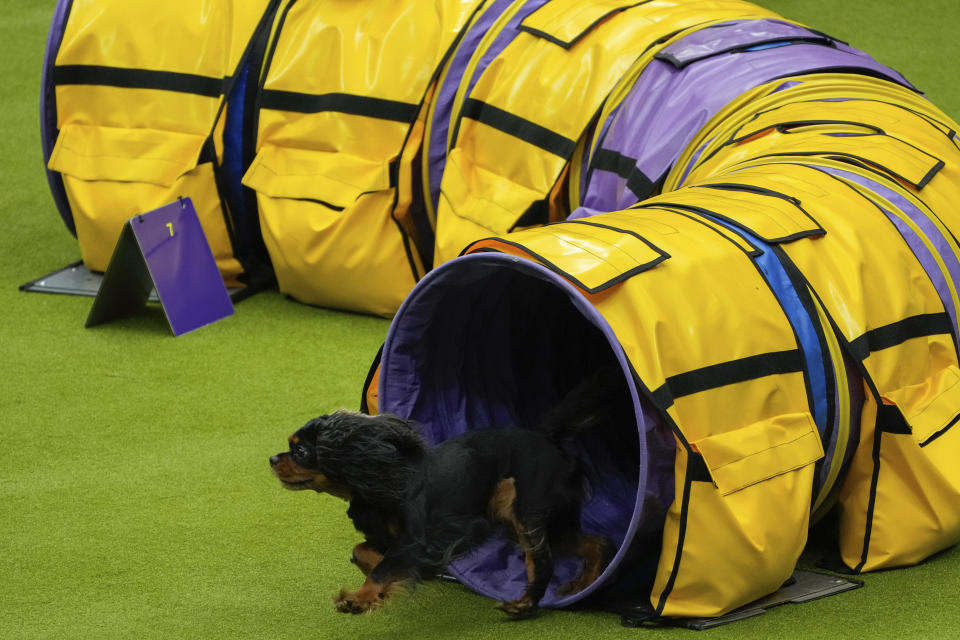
(401, 434)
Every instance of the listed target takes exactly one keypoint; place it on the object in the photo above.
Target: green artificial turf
(135, 495)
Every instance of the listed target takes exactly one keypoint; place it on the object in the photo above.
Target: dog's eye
(300, 452)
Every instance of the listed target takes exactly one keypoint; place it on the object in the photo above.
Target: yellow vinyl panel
(138, 88)
(735, 548)
(541, 92)
(138, 34)
(343, 90)
(907, 511)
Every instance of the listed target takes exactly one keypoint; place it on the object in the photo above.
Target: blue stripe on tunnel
(807, 335)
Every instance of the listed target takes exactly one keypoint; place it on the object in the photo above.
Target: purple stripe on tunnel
(669, 105)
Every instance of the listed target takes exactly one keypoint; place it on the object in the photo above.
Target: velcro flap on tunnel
(932, 407)
(96, 153)
(715, 40)
(849, 142)
(771, 216)
(565, 22)
(593, 256)
(743, 457)
(335, 178)
(844, 117)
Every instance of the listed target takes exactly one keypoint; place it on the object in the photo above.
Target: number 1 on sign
(170, 226)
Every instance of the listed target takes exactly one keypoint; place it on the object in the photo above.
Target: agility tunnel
(316, 139)
(345, 148)
(778, 292)
(292, 126)
(752, 222)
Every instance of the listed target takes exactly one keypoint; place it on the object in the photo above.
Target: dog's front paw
(360, 601)
(519, 609)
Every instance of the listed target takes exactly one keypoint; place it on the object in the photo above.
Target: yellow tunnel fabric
(519, 126)
(338, 102)
(137, 103)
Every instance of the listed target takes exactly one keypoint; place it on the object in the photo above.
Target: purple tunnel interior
(490, 340)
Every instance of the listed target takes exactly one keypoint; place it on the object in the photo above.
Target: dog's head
(346, 453)
(299, 467)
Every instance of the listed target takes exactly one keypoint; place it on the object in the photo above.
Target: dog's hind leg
(595, 552)
(532, 537)
(539, 561)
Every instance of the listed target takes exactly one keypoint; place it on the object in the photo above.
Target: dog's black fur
(420, 507)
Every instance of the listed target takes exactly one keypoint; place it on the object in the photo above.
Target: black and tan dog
(420, 507)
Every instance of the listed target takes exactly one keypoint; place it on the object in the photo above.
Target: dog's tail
(598, 399)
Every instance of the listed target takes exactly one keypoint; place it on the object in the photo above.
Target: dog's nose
(274, 460)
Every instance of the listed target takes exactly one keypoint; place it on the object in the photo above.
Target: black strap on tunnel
(919, 326)
(626, 168)
(516, 126)
(891, 420)
(75, 74)
(724, 373)
(874, 479)
(371, 374)
(340, 102)
(696, 471)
